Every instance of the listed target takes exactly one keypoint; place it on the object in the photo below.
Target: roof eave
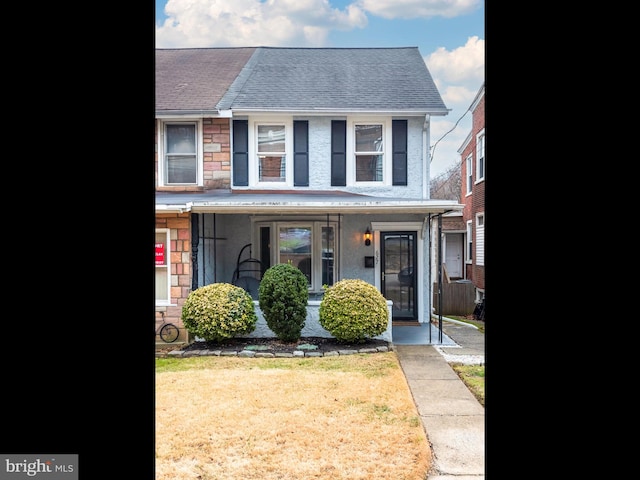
(306, 208)
(338, 111)
(170, 114)
(187, 113)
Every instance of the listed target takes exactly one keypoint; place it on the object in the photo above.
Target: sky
(448, 33)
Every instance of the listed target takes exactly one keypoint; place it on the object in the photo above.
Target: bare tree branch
(447, 185)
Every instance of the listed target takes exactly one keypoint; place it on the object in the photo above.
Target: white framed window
(271, 147)
(480, 158)
(180, 153)
(311, 246)
(469, 179)
(480, 239)
(369, 151)
(163, 266)
(469, 250)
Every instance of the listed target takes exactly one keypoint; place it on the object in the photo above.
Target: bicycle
(168, 331)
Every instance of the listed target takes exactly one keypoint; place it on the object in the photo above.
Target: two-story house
(474, 167)
(314, 156)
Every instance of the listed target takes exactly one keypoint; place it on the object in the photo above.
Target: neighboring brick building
(474, 167)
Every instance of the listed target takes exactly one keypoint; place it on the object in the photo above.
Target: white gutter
(288, 207)
(169, 114)
(178, 208)
(337, 111)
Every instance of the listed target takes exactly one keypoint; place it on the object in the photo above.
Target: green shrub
(282, 295)
(352, 310)
(219, 311)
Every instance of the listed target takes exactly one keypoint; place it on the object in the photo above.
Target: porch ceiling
(309, 202)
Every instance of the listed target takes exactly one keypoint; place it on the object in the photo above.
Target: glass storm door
(398, 273)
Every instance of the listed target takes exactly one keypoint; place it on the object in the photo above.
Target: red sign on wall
(160, 254)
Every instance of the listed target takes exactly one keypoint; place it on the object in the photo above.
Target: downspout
(439, 215)
(430, 288)
(194, 250)
(439, 271)
(439, 278)
(215, 250)
(338, 234)
(426, 158)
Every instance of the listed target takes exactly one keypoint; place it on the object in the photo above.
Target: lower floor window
(163, 270)
(310, 246)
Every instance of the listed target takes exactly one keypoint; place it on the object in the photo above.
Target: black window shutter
(339, 153)
(301, 153)
(399, 148)
(240, 153)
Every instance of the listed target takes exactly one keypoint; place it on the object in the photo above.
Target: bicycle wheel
(169, 333)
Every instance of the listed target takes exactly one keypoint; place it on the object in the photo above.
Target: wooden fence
(457, 298)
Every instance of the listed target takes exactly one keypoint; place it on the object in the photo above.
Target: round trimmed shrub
(219, 311)
(282, 295)
(353, 310)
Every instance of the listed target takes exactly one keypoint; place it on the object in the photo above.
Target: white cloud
(419, 8)
(463, 64)
(458, 74)
(224, 23)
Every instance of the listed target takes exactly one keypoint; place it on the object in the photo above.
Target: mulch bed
(274, 345)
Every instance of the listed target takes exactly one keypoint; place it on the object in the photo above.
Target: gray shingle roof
(303, 79)
(335, 78)
(196, 78)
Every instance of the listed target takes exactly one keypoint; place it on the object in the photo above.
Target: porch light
(367, 237)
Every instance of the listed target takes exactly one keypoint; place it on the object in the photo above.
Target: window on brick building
(469, 168)
(480, 158)
(179, 153)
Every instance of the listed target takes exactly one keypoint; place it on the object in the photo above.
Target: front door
(398, 273)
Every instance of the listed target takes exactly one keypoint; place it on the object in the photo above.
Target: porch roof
(307, 202)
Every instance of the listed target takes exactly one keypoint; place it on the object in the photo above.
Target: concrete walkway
(452, 417)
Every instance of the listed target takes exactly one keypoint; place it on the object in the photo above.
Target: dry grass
(348, 417)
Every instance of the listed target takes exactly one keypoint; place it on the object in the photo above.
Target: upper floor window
(469, 169)
(163, 270)
(271, 144)
(369, 153)
(369, 142)
(272, 156)
(480, 159)
(179, 153)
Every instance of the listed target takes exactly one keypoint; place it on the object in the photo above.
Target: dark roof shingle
(196, 78)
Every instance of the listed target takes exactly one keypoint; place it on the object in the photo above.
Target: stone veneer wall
(217, 153)
(179, 226)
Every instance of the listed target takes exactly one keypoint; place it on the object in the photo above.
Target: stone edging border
(178, 353)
